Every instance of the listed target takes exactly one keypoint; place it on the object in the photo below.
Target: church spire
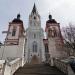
(34, 9)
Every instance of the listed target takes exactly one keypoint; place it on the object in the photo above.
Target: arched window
(34, 46)
(14, 32)
(34, 36)
(46, 48)
(50, 32)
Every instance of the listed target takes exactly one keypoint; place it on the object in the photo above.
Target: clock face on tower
(36, 18)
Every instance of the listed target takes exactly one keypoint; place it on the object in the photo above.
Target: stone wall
(12, 51)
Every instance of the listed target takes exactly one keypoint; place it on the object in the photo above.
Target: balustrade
(12, 66)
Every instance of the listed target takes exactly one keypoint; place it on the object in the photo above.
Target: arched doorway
(35, 60)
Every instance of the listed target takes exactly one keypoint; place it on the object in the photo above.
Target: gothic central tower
(35, 52)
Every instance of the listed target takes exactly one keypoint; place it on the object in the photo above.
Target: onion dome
(17, 20)
(51, 20)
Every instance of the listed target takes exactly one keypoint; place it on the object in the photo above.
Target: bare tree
(69, 36)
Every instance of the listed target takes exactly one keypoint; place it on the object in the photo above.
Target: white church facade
(34, 35)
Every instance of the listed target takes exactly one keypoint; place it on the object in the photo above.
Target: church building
(30, 44)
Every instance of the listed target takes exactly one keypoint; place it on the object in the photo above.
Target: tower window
(34, 36)
(34, 46)
(34, 17)
(13, 32)
(46, 48)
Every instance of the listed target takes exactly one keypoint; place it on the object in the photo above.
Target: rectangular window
(46, 48)
(13, 32)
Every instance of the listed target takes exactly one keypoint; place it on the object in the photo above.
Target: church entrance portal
(34, 60)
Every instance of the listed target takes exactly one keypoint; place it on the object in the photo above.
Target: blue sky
(62, 10)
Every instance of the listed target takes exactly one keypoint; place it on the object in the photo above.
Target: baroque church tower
(55, 40)
(35, 52)
(15, 40)
(15, 31)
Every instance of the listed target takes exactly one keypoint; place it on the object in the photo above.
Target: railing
(63, 66)
(15, 64)
(11, 67)
(2, 67)
(70, 71)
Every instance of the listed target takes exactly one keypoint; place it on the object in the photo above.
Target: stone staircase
(38, 69)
